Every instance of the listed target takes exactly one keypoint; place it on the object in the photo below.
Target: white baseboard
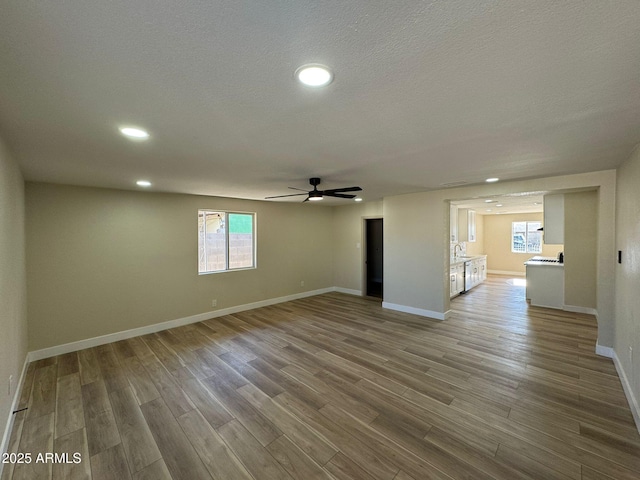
(634, 406)
(157, 327)
(575, 309)
(348, 291)
(14, 405)
(505, 272)
(604, 351)
(415, 311)
(628, 391)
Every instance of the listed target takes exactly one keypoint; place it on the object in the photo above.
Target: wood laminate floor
(335, 387)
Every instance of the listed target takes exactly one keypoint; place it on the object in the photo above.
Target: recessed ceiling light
(491, 180)
(314, 75)
(488, 201)
(143, 183)
(357, 199)
(498, 204)
(488, 209)
(134, 133)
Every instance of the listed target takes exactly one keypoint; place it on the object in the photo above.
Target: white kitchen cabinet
(553, 219)
(471, 221)
(452, 282)
(466, 225)
(475, 272)
(453, 223)
(464, 275)
(456, 278)
(545, 284)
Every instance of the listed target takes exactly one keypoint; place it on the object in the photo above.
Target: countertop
(539, 261)
(457, 260)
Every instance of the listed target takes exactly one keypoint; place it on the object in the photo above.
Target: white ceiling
(425, 93)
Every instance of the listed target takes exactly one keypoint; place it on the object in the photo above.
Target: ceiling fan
(316, 194)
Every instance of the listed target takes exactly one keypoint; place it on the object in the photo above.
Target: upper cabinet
(453, 223)
(466, 225)
(554, 219)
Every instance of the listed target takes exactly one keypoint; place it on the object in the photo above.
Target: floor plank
(77, 465)
(43, 394)
(110, 464)
(102, 432)
(156, 471)
(254, 456)
(221, 462)
(138, 443)
(178, 454)
(37, 438)
(69, 410)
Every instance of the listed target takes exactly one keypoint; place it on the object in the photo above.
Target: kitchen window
(226, 241)
(525, 237)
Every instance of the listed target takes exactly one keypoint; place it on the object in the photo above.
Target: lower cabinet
(456, 279)
(474, 271)
(478, 273)
(453, 286)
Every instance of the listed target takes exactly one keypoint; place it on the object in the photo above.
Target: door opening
(374, 257)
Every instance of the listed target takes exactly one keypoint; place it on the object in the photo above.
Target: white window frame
(526, 237)
(226, 214)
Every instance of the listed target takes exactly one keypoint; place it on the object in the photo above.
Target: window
(226, 241)
(525, 237)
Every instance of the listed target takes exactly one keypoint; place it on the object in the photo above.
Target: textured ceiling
(425, 93)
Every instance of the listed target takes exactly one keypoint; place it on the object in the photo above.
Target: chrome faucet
(455, 250)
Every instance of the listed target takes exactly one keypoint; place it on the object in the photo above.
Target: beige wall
(416, 251)
(417, 242)
(101, 261)
(13, 312)
(580, 249)
(349, 242)
(500, 258)
(627, 274)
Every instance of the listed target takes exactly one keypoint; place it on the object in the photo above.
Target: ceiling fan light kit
(315, 194)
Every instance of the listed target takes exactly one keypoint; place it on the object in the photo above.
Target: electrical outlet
(302, 283)
(214, 302)
(10, 384)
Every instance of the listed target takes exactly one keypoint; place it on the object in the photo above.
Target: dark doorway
(373, 238)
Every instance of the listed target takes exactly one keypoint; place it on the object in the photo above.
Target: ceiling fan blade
(294, 188)
(345, 189)
(292, 195)
(305, 200)
(337, 195)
